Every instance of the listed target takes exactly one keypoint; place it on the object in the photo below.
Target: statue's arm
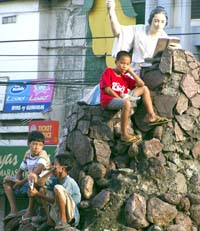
(115, 26)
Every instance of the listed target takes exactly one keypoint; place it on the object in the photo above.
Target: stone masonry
(151, 186)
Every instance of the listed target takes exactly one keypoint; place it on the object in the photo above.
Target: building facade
(32, 49)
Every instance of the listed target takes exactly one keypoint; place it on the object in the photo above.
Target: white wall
(25, 28)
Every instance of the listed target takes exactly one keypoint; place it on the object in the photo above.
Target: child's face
(158, 22)
(58, 168)
(36, 147)
(123, 64)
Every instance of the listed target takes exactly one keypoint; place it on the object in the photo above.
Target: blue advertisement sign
(28, 96)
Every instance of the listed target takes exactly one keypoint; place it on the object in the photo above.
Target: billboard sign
(28, 96)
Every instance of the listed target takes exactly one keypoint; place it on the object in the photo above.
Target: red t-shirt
(119, 84)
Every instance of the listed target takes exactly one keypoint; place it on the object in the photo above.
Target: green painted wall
(11, 158)
(94, 65)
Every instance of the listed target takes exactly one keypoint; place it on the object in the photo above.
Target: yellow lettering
(8, 159)
(47, 134)
(45, 128)
(8, 172)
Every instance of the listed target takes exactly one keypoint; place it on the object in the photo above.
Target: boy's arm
(19, 174)
(38, 169)
(106, 82)
(42, 180)
(109, 91)
(19, 181)
(34, 192)
(139, 81)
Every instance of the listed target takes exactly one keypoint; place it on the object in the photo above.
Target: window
(9, 19)
(195, 9)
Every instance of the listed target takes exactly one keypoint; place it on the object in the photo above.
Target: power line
(49, 71)
(64, 55)
(49, 82)
(55, 39)
(80, 38)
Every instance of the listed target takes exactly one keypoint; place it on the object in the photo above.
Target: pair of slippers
(136, 139)
(12, 215)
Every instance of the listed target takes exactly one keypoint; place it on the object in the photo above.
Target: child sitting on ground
(114, 85)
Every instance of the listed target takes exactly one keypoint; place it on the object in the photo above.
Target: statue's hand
(110, 4)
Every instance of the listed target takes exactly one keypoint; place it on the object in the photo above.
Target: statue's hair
(158, 10)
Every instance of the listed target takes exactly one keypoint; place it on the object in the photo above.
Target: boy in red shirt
(114, 85)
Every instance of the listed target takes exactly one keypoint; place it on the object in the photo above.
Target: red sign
(49, 128)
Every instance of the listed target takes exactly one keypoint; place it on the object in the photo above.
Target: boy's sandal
(10, 216)
(133, 139)
(44, 227)
(159, 120)
(25, 219)
(62, 225)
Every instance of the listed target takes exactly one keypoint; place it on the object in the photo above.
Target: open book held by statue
(151, 73)
(166, 43)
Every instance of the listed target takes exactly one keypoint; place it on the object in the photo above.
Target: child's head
(62, 163)
(36, 142)
(123, 62)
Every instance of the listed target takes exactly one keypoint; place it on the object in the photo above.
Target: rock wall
(151, 186)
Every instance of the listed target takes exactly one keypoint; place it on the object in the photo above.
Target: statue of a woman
(141, 38)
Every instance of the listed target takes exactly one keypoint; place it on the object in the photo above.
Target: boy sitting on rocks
(63, 194)
(114, 86)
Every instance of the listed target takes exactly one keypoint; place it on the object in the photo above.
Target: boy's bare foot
(151, 118)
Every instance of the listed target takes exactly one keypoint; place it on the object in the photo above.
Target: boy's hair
(36, 136)
(157, 10)
(122, 54)
(64, 161)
